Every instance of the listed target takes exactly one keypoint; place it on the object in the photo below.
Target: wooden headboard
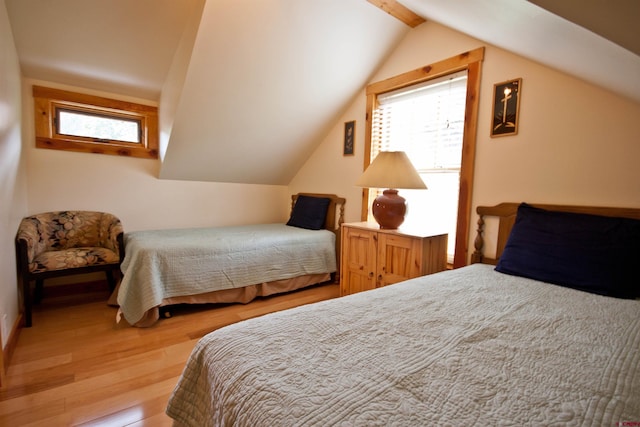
(335, 212)
(506, 214)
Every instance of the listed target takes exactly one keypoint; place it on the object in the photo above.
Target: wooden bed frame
(506, 213)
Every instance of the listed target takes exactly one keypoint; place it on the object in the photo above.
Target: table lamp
(391, 170)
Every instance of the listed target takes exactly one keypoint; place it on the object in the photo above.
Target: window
(97, 126)
(426, 121)
(77, 122)
(438, 136)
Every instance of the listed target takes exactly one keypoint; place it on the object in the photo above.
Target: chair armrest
(32, 240)
(112, 234)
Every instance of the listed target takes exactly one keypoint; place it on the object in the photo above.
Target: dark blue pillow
(309, 212)
(592, 253)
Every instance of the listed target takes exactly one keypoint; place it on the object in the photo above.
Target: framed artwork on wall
(506, 106)
(349, 137)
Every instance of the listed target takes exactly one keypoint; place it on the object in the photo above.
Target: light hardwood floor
(77, 367)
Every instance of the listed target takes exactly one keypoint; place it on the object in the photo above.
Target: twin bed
(162, 268)
(547, 332)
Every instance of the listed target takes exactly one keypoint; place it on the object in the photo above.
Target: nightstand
(372, 257)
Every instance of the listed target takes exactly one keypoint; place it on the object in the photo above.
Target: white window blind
(427, 122)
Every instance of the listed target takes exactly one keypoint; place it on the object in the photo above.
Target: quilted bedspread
(178, 262)
(465, 347)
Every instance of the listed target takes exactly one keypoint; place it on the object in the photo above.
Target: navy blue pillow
(592, 253)
(309, 212)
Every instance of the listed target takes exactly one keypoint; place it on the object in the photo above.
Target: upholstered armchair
(62, 243)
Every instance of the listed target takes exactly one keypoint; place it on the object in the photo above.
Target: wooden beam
(399, 11)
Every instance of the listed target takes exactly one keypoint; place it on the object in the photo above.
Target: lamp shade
(390, 170)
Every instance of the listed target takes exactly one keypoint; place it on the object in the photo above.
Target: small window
(77, 122)
(100, 127)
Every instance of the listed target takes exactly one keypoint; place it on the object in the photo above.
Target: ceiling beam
(399, 11)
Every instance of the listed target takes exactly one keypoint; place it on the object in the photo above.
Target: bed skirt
(236, 295)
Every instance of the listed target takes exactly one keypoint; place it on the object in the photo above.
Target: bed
(486, 344)
(230, 264)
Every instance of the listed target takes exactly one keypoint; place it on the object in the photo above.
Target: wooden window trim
(470, 61)
(47, 100)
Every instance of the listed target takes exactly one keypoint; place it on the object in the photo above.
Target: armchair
(62, 243)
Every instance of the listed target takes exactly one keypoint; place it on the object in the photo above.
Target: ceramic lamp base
(389, 209)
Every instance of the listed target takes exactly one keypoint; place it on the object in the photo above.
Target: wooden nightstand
(371, 257)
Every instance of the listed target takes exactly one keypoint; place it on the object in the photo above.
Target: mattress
(464, 347)
(164, 264)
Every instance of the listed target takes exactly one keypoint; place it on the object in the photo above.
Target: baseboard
(7, 351)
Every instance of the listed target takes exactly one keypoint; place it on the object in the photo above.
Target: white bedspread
(168, 263)
(464, 347)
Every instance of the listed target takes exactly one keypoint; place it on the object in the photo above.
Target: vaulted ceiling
(253, 86)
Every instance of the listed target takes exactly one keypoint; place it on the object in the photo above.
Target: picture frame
(506, 108)
(349, 138)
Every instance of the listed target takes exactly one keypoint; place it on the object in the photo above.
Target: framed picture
(349, 137)
(506, 106)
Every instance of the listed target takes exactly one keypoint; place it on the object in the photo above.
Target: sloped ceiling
(119, 46)
(591, 39)
(615, 20)
(267, 79)
(265, 82)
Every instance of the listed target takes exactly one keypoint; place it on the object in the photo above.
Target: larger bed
(229, 264)
(481, 345)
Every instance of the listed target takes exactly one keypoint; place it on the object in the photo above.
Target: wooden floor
(77, 367)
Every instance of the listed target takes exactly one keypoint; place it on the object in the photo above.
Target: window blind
(425, 120)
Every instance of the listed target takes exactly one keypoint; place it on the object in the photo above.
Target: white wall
(576, 144)
(174, 82)
(329, 171)
(12, 173)
(129, 187)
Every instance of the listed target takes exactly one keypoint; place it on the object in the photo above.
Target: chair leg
(26, 299)
(111, 280)
(39, 291)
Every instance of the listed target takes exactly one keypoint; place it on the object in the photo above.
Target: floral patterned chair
(62, 243)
